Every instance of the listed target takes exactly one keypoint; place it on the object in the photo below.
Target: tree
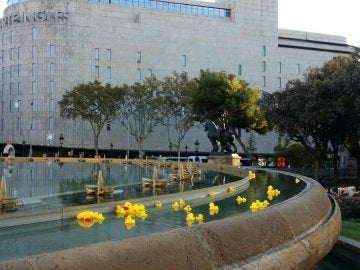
(176, 106)
(141, 110)
(94, 103)
(222, 96)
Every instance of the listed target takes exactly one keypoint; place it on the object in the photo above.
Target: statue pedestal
(224, 158)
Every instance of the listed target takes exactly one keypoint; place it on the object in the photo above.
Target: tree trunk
(316, 169)
(96, 145)
(246, 151)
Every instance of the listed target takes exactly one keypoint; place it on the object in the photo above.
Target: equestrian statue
(220, 136)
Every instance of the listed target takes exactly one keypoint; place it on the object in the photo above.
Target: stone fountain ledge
(295, 234)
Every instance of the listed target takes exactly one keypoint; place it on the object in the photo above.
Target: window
(33, 105)
(3, 73)
(108, 73)
(183, 60)
(279, 67)
(2, 124)
(33, 70)
(18, 123)
(138, 57)
(263, 66)
(33, 87)
(12, 36)
(264, 51)
(19, 88)
(12, 89)
(51, 87)
(11, 106)
(279, 81)
(150, 72)
(33, 123)
(97, 71)
(109, 54)
(51, 123)
(52, 69)
(97, 54)
(2, 56)
(298, 70)
(51, 105)
(33, 51)
(12, 54)
(2, 89)
(3, 39)
(34, 33)
(52, 51)
(18, 105)
(20, 52)
(239, 69)
(264, 81)
(20, 70)
(138, 74)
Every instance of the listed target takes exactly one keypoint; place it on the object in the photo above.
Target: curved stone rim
(294, 234)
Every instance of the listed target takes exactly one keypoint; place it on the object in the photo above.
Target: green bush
(350, 208)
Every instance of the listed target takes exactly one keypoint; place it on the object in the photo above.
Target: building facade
(48, 47)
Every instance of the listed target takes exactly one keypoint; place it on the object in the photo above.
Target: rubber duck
(240, 199)
(190, 222)
(87, 219)
(230, 189)
(213, 209)
(190, 217)
(158, 204)
(187, 209)
(211, 194)
(175, 206)
(143, 215)
(119, 210)
(297, 180)
(99, 218)
(85, 224)
(181, 203)
(254, 207)
(127, 207)
(86, 216)
(129, 220)
(251, 175)
(199, 218)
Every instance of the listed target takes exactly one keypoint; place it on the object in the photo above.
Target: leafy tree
(94, 103)
(140, 112)
(295, 154)
(176, 106)
(222, 96)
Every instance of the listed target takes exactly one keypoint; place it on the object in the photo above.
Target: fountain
(307, 224)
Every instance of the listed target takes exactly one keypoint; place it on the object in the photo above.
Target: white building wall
(162, 37)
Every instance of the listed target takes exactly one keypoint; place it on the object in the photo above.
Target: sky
(335, 17)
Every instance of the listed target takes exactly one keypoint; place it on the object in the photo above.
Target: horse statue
(220, 136)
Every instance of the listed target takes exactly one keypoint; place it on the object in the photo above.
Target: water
(25, 240)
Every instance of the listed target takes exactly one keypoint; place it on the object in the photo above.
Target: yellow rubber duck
(252, 175)
(175, 206)
(240, 199)
(190, 217)
(199, 218)
(128, 207)
(158, 204)
(119, 210)
(211, 194)
(213, 209)
(230, 189)
(187, 209)
(143, 215)
(129, 220)
(87, 219)
(297, 180)
(181, 203)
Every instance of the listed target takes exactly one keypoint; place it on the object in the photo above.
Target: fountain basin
(294, 234)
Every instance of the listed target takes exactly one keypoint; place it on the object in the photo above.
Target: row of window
(297, 68)
(17, 88)
(12, 36)
(17, 106)
(17, 71)
(170, 6)
(18, 53)
(33, 124)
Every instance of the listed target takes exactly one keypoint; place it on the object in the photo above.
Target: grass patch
(351, 229)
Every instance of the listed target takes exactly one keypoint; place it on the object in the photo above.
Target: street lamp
(186, 149)
(170, 148)
(61, 139)
(197, 145)
(111, 148)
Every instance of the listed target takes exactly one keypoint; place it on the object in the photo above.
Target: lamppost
(170, 148)
(61, 139)
(23, 144)
(111, 148)
(186, 149)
